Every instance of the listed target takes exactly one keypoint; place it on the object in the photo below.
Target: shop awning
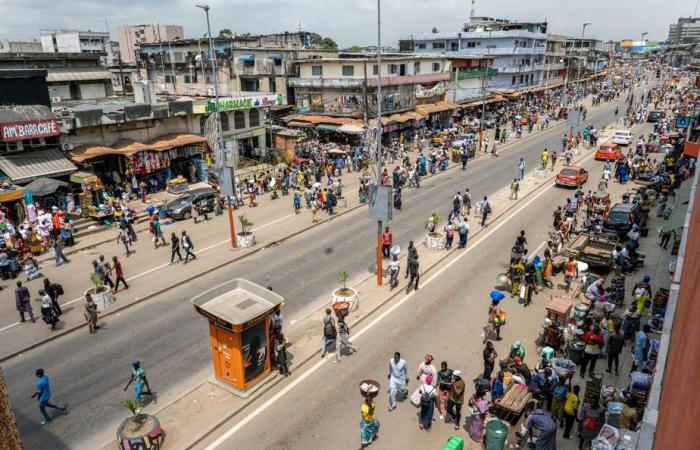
(437, 107)
(677, 218)
(247, 57)
(315, 120)
(327, 127)
(78, 74)
(11, 194)
(44, 186)
(275, 56)
(27, 166)
(351, 129)
(300, 124)
(170, 141)
(123, 147)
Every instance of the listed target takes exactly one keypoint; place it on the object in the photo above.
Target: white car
(622, 137)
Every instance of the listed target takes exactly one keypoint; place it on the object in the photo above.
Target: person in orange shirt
(570, 271)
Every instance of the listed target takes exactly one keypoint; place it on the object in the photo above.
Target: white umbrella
(351, 129)
(316, 185)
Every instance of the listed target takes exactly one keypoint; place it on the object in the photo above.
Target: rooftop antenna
(471, 13)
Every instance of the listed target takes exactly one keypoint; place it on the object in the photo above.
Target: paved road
(88, 371)
(320, 408)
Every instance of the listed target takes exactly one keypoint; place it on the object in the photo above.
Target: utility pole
(585, 54)
(172, 67)
(483, 96)
(212, 58)
(379, 135)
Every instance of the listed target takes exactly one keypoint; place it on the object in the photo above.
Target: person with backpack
(485, 211)
(559, 394)
(329, 334)
(463, 232)
(449, 234)
(188, 246)
(157, 231)
(54, 290)
(466, 203)
(428, 395)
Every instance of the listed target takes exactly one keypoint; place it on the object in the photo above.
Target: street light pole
(379, 135)
(212, 58)
(578, 70)
(483, 96)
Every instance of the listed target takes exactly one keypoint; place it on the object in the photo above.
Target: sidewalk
(197, 413)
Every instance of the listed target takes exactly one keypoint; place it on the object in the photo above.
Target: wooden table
(511, 406)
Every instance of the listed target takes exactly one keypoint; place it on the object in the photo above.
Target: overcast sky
(347, 21)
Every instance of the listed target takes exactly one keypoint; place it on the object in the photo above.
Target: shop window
(225, 126)
(191, 78)
(348, 71)
(393, 68)
(416, 67)
(249, 63)
(202, 123)
(402, 70)
(454, 46)
(513, 81)
(278, 62)
(438, 45)
(238, 120)
(317, 71)
(421, 45)
(375, 69)
(436, 67)
(254, 118)
(169, 78)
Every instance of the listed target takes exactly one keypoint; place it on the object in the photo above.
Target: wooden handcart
(512, 405)
(558, 311)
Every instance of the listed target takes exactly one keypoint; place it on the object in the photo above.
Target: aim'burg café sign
(30, 129)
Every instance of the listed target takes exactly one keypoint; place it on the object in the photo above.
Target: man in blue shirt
(43, 394)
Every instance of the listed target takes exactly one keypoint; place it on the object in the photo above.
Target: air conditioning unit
(55, 99)
(67, 147)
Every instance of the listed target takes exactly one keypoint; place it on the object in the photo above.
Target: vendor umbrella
(44, 186)
(281, 166)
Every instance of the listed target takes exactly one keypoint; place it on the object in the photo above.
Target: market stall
(12, 202)
(93, 200)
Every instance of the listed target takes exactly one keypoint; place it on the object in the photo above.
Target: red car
(608, 152)
(571, 176)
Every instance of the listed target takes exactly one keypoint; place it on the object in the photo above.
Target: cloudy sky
(347, 21)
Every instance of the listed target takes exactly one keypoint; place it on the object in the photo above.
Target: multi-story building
(346, 86)
(131, 36)
(71, 76)
(249, 64)
(75, 41)
(20, 47)
(685, 31)
(517, 48)
(554, 60)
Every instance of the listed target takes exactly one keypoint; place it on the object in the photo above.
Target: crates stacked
(658, 310)
(594, 384)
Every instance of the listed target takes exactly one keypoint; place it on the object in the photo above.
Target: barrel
(576, 351)
(496, 434)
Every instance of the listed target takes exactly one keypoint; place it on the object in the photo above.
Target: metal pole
(483, 99)
(578, 70)
(379, 135)
(172, 67)
(212, 58)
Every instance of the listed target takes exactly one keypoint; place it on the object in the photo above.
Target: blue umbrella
(497, 296)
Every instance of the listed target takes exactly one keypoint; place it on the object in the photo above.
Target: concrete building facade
(131, 36)
(686, 30)
(75, 41)
(518, 48)
(20, 47)
(555, 60)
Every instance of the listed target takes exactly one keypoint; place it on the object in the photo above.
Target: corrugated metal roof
(27, 166)
(78, 74)
(128, 147)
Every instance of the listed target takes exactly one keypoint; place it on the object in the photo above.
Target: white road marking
(502, 221)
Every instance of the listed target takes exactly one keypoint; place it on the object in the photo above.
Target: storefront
(439, 114)
(12, 202)
(165, 158)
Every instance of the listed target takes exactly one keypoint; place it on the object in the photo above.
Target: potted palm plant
(245, 238)
(433, 238)
(100, 293)
(140, 430)
(345, 294)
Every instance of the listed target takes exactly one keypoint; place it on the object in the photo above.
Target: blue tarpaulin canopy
(247, 57)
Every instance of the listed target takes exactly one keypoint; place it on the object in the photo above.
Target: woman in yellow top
(369, 425)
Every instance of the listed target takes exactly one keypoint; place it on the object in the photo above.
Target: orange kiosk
(239, 313)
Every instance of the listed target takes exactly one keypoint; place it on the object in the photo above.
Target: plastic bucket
(576, 351)
(496, 435)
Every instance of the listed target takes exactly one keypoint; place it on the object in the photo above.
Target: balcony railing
(469, 74)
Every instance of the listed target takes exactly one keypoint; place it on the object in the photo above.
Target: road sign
(380, 203)
(682, 121)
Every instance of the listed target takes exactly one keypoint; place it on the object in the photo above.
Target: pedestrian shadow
(35, 435)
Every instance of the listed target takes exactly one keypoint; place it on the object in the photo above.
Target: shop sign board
(233, 103)
(29, 129)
